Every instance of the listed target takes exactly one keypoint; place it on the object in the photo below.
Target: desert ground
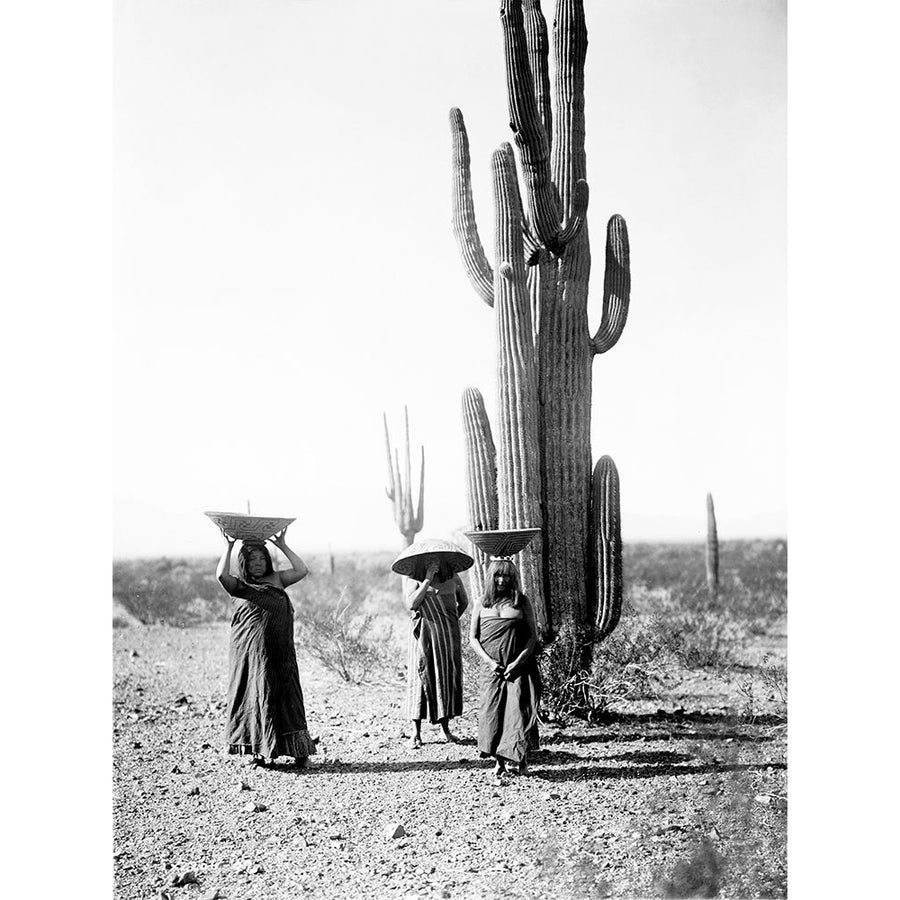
(673, 784)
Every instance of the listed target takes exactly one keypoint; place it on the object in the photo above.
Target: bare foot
(415, 742)
(450, 738)
(498, 773)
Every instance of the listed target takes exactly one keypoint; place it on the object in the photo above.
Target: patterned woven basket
(248, 528)
(502, 543)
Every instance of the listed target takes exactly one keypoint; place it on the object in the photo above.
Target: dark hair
(244, 560)
(501, 567)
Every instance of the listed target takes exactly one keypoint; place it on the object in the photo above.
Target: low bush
(353, 644)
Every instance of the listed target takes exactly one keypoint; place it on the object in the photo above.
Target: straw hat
(248, 528)
(414, 560)
(502, 544)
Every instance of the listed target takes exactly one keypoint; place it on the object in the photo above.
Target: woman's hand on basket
(431, 571)
(278, 539)
(228, 538)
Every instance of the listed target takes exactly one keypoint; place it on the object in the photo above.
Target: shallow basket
(248, 528)
(502, 543)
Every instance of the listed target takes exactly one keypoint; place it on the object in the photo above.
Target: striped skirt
(434, 679)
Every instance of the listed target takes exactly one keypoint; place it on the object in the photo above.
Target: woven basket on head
(415, 559)
(504, 542)
(248, 528)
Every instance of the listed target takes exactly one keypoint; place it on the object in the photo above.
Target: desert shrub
(699, 876)
(351, 643)
(774, 678)
(172, 592)
(634, 662)
(753, 582)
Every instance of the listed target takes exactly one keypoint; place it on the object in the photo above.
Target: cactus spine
(399, 489)
(538, 288)
(712, 549)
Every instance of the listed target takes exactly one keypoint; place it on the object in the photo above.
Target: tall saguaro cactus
(399, 490)
(712, 549)
(538, 288)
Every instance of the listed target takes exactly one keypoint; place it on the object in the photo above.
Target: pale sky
(285, 269)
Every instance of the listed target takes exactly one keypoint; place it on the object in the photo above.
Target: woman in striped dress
(266, 715)
(435, 653)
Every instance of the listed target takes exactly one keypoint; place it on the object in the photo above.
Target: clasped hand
(505, 672)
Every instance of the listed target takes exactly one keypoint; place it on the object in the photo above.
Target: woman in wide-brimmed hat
(266, 714)
(436, 599)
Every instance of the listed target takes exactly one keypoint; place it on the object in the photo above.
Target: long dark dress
(434, 663)
(508, 710)
(266, 715)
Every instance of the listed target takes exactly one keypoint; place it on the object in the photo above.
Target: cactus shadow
(646, 737)
(376, 767)
(593, 772)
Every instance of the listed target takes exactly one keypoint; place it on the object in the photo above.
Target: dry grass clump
(355, 645)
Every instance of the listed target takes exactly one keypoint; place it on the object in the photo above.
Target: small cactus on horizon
(712, 549)
(399, 490)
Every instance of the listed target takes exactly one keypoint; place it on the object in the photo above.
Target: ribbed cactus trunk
(518, 460)
(399, 489)
(481, 480)
(712, 549)
(539, 291)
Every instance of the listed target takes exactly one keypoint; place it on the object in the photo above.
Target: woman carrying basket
(503, 635)
(266, 715)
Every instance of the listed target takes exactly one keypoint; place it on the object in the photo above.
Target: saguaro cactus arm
(570, 52)
(607, 529)
(464, 227)
(616, 286)
(525, 121)
(538, 53)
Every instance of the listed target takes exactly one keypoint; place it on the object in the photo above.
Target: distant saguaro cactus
(399, 490)
(712, 549)
(538, 289)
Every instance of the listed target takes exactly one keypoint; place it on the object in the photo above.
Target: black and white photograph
(458, 568)
(450, 395)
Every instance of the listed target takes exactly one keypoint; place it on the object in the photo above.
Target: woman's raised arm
(298, 570)
(417, 595)
(223, 569)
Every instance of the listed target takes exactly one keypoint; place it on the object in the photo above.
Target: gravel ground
(691, 793)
